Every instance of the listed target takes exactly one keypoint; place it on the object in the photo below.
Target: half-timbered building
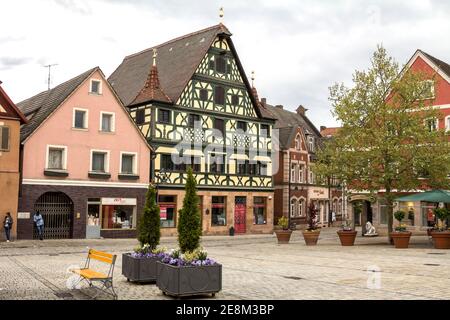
(192, 100)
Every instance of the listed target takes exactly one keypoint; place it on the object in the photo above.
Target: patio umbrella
(429, 196)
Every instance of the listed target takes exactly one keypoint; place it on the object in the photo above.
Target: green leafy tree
(149, 226)
(189, 222)
(385, 143)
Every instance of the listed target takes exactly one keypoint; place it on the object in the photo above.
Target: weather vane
(221, 14)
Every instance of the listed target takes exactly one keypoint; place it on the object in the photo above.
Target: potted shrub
(188, 271)
(440, 234)
(283, 234)
(347, 235)
(140, 265)
(312, 233)
(401, 235)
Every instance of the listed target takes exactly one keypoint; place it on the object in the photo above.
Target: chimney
(264, 101)
(279, 106)
(301, 110)
(322, 128)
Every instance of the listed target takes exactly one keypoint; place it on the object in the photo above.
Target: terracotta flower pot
(311, 237)
(401, 239)
(441, 240)
(283, 236)
(347, 238)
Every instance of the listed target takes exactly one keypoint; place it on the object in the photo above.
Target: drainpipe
(330, 216)
(289, 193)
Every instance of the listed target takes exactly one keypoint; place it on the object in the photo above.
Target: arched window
(293, 208)
(302, 207)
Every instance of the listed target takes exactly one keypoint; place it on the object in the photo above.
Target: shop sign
(119, 201)
(163, 210)
(23, 215)
(318, 193)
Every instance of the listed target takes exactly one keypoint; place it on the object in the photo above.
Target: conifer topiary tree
(149, 226)
(189, 222)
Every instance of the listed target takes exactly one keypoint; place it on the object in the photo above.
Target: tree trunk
(390, 212)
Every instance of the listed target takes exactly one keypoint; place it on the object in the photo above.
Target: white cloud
(297, 48)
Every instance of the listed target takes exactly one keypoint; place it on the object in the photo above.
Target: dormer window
(96, 87)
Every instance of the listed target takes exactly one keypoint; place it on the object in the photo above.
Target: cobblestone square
(254, 267)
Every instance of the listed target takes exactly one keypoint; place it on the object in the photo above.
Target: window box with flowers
(401, 235)
(283, 233)
(440, 233)
(347, 235)
(312, 233)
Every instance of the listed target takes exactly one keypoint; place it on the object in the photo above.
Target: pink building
(85, 165)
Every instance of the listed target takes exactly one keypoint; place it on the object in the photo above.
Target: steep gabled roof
(40, 106)
(445, 67)
(177, 61)
(11, 109)
(288, 122)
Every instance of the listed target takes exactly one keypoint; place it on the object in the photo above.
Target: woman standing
(8, 226)
(39, 221)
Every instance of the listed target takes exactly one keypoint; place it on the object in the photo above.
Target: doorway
(240, 214)
(56, 209)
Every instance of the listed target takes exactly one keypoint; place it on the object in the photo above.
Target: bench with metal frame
(90, 275)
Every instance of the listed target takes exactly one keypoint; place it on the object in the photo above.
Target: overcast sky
(298, 48)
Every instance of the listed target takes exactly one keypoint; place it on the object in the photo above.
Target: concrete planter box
(189, 280)
(139, 269)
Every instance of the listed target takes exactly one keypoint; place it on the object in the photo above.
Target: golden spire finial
(155, 54)
(221, 14)
(253, 78)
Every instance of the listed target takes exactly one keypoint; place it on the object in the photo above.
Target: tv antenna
(49, 66)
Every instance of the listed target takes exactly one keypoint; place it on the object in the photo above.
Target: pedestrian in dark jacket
(7, 224)
(39, 222)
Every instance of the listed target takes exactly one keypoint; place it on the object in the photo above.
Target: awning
(429, 196)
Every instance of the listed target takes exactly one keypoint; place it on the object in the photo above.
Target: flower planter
(188, 280)
(139, 269)
(311, 237)
(347, 238)
(283, 236)
(401, 239)
(441, 240)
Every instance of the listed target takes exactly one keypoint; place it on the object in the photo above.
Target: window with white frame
(447, 123)
(100, 161)
(311, 143)
(128, 163)
(80, 118)
(432, 124)
(293, 208)
(301, 173)
(107, 120)
(293, 172)
(427, 89)
(312, 177)
(298, 142)
(302, 207)
(96, 86)
(56, 157)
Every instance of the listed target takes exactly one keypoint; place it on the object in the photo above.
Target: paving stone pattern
(254, 267)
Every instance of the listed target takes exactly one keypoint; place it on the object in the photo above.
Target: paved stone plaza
(254, 267)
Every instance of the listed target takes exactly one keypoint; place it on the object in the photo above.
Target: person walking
(8, 226)
(39, 221)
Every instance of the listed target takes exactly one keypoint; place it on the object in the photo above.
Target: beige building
(10, 120)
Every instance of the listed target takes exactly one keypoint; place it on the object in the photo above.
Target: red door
(240, 210)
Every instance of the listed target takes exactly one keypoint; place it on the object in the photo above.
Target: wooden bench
(90, 275)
